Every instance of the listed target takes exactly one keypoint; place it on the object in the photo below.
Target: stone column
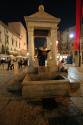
(49, 44)
(31, 44)
(53, 46)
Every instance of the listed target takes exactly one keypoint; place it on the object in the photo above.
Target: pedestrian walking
(2, 63)
(9, 63)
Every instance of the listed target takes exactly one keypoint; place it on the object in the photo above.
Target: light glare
(71, 35)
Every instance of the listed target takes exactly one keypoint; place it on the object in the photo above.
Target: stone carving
(41, 8)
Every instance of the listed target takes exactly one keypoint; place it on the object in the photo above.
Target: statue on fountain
(42, 56)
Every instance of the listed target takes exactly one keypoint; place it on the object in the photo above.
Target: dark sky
(15, 10)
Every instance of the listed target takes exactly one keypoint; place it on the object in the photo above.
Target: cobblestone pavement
(23, 112)
(75, 75)
(18, 111)
(7, 77)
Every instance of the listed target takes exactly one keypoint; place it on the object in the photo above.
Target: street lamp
(57, 42)
(71, 40)
(71, 35)
(28, 54)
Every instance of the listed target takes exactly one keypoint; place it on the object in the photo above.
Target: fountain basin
(39, 89)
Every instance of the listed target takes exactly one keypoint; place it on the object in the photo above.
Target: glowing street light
(71, 35)
(57, 42)
(28, 54)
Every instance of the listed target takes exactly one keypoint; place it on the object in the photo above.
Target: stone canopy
(42, 16)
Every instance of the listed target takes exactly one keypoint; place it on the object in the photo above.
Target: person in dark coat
(42, 56)
(9, 63)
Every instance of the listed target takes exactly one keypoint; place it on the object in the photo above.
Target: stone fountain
(42, 25)
(42, 84)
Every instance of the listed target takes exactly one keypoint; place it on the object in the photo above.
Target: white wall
(19, 29)
(2, 42)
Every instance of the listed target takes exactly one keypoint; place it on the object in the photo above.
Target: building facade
(12, 42)
(9, 40)
(19, 29)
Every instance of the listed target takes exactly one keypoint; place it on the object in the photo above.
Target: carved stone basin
(44, 85)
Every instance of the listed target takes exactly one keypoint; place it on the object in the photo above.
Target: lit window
(16, 43)
(12, 42)
(7, 39)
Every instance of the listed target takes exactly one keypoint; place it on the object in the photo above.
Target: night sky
(14, 11)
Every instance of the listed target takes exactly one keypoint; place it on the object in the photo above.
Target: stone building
(19, 29)
(65, 41)
(11, 42)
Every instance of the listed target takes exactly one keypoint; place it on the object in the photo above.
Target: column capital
(30, 29)
(53, 29)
